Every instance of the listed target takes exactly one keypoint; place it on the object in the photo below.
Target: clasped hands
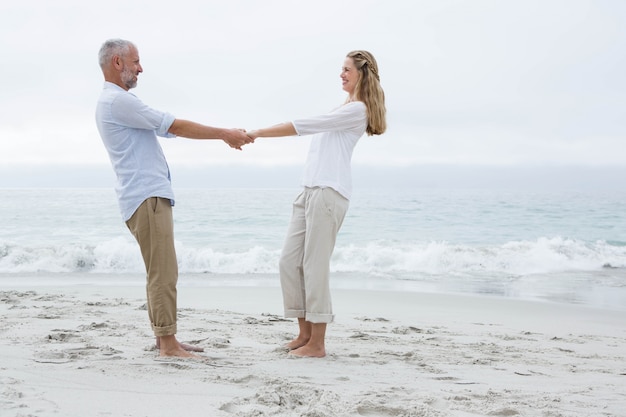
(236, 138)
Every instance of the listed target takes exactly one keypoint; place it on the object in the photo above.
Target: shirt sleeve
(129, 111)
(347, 117)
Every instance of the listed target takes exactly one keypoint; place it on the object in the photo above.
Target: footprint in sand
(60, 335)
(52, 357)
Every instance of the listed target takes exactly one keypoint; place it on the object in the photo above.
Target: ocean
(555, 246)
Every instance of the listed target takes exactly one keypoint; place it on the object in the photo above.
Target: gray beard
(127, 79)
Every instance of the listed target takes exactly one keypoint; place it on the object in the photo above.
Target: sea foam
(121, 255)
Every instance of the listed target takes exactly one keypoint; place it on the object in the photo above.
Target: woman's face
(349, 76)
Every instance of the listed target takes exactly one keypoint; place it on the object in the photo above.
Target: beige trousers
(153, 227)
(305, 259)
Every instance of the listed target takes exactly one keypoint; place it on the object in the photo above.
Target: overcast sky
(481, 82)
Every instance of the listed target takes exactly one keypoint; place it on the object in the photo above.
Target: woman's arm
(349, 116)
(283, 129)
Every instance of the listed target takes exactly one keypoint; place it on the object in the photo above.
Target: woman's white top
(330, 153)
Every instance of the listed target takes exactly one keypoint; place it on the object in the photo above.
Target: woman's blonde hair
(369, 91)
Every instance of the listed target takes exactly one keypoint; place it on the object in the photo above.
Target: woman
(319, 210)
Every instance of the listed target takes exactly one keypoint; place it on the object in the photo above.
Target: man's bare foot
(185, 346)
(170, 347)
(191, 348)
(308, 351)
(178, 353)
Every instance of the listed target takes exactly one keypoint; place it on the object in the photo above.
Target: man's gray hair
(113, 47)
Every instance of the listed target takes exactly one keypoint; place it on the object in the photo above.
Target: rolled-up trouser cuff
(295, 314)
(319, 318)
(164, 331)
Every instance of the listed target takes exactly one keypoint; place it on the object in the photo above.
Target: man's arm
(235, 138)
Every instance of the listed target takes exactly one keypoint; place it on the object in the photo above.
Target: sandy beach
(87, 351)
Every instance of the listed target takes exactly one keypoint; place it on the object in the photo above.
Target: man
(129, 130)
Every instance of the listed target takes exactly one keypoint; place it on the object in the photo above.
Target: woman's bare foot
(308, 351)
(297, 343)
(314, 346)
(304, 335)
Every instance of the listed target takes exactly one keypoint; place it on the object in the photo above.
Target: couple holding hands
(129, 131)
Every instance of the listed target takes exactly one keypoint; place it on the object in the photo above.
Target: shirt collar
(113, 86)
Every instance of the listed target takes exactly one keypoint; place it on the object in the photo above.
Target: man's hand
(236, 138)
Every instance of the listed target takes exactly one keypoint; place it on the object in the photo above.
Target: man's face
(130, 68)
